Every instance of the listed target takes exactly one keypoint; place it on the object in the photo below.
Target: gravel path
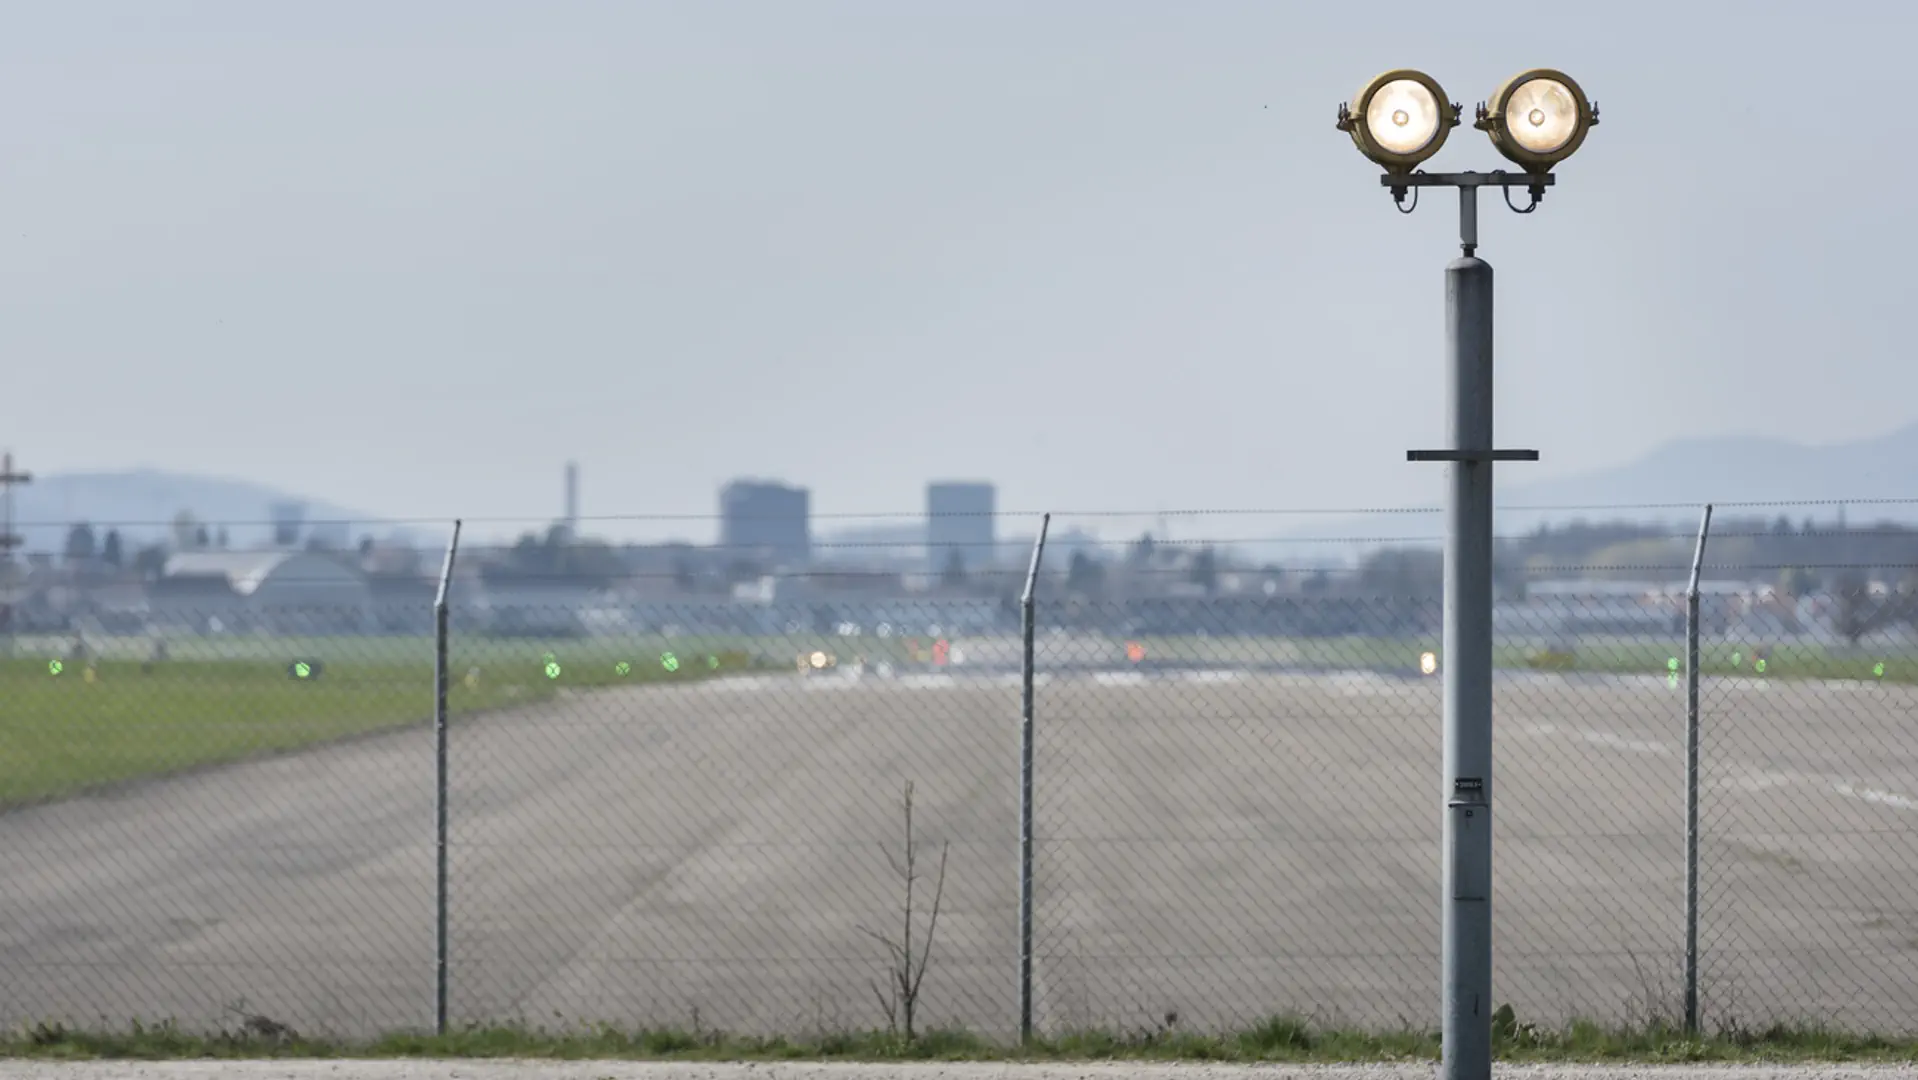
(600, 1070)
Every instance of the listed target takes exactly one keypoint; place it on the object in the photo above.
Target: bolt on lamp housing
(1538, 118)
(1399, 119)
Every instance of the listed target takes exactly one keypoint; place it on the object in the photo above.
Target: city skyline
(1869, 474)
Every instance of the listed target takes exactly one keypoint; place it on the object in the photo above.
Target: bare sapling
(906, 970)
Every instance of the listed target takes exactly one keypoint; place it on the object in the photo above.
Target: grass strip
(1278, 1039)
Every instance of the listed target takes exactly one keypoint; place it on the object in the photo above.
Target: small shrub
(668, 1042)
(1279, 1033)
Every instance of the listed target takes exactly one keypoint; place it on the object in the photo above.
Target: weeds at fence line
(906, 974)
(1657, 1003)
(1278, 1039)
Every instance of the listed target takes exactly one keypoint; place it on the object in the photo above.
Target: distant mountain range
(141, 504)
(1747, 469)
(1673, 482)
(1666, 485)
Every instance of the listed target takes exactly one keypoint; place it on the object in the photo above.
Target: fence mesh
(692, 831)
(672, 805)
(1809, 784)
(208, 827)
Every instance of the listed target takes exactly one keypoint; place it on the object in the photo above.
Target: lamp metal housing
(1495, 119)
(1353, 120)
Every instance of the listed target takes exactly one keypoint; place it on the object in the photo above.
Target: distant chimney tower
(572, 498)
(8, 481)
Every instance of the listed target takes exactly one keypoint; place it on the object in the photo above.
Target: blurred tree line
(1801, 559)
(557, 557)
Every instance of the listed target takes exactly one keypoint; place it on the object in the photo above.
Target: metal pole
(1467, 948)
(1466, 980)
(1468, 222)
(1026, 606)
(440, 779)
(1691, 776)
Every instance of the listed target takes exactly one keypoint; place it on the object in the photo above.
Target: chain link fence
(688, 796)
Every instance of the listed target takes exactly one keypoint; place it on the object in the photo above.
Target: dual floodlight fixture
(1537, 119)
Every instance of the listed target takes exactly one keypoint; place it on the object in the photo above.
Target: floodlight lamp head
(1399, 119)
(1538, 118)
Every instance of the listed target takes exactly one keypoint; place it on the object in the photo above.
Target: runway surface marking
(1743, 777)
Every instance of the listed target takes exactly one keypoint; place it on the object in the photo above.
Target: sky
(412, 257)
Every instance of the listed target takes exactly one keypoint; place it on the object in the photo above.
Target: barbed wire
(607, 580)
(923, 514)
(1022, 544)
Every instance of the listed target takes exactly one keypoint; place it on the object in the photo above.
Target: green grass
(469, 649)
(226, 698)
(1612, 656)
(593, 658)
(117, 720)
(1279, 1039)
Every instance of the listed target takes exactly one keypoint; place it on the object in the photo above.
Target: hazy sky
(410, 256)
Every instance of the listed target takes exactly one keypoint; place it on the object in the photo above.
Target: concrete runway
(1219, 846)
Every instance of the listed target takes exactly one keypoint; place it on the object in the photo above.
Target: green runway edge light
(1671, 664)
(552, 669)
(1738, 659)
(713, 662)
(302, 670)
(1878, 669)
(669, 661)
(1760, 666)
(622, 668)
(55, 667)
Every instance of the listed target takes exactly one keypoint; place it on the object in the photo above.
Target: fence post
(1026, 665)
(440, 784)
(1691, 776)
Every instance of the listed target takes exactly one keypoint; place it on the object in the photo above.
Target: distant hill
(1747, 469)
(1666, 485)
(141, 503)
(1671, 484)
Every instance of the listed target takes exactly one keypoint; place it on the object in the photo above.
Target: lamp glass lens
(1402, 116)
(1541, 115)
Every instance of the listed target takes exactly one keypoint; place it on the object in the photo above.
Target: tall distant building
(959, 518)
(766, 517)
(289, 521)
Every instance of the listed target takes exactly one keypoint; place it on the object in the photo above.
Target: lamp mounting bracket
(1468, 184)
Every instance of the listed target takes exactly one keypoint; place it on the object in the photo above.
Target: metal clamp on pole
(1468, 849)
(1471, 457)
